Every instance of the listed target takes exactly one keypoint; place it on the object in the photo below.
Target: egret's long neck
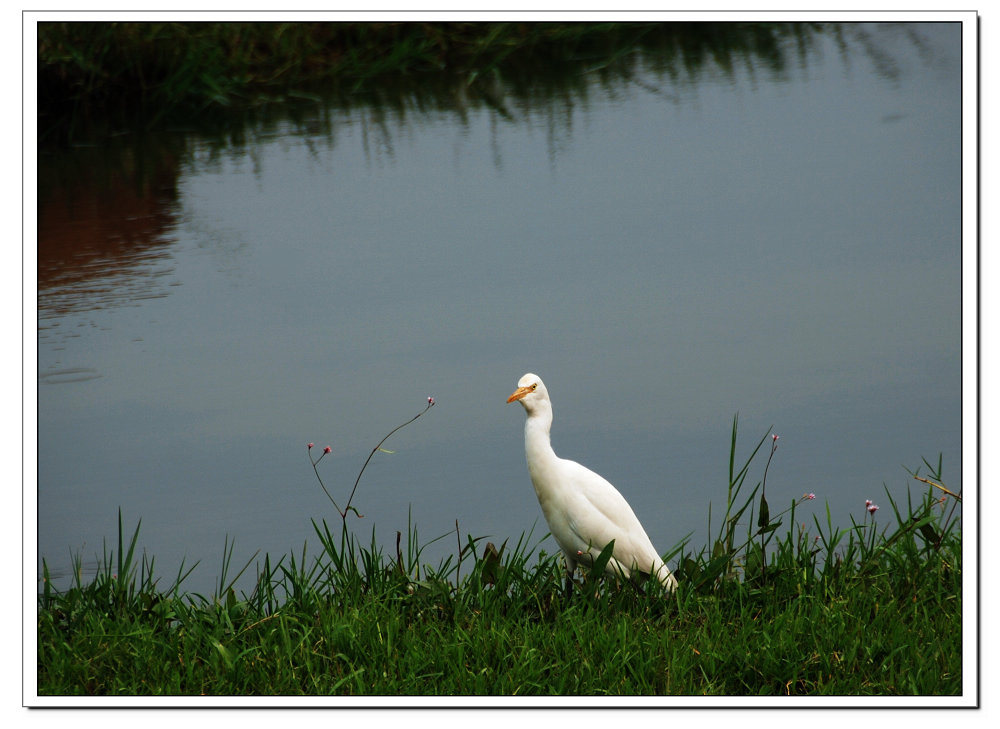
(538, 444)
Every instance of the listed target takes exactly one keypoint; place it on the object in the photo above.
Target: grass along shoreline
(872, 609)
(99, 79)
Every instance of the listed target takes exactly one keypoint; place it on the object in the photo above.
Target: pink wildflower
(774, 437)
(809, 497)
(430, 401)
(872, 508)
(310, 445)
(327, 450)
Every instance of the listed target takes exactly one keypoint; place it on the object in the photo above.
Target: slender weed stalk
(766, 527)
(378, 447)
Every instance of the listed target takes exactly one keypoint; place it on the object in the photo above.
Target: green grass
(873, 609)
(98, 79)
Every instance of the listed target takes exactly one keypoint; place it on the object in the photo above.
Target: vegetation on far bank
(116, 76)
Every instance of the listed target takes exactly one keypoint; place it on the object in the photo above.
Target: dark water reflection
(729, 217)
(105, 216)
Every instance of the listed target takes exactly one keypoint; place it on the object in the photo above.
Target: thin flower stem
(326, 451)
(763, 487)
(343, 514)
(320, 479)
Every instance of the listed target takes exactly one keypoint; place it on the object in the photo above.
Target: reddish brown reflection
(105, 216)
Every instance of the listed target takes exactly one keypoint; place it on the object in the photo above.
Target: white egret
(584, 512)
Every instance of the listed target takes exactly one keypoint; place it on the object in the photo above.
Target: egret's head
(530, 391)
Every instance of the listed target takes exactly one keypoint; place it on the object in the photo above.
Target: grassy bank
(872, 609)
(113, 76)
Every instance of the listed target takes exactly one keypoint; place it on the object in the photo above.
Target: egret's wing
(601, 514)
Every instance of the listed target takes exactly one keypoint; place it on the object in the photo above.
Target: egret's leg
(570, 571)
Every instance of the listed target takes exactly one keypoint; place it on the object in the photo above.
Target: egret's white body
(584, 512)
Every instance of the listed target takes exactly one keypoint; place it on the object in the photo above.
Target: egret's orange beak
(519, 393)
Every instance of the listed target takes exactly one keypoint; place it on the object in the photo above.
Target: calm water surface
(663, 253)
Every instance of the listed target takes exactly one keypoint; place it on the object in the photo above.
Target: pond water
(665, 251)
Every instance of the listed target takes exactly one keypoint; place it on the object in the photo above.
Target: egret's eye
(535, 385)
